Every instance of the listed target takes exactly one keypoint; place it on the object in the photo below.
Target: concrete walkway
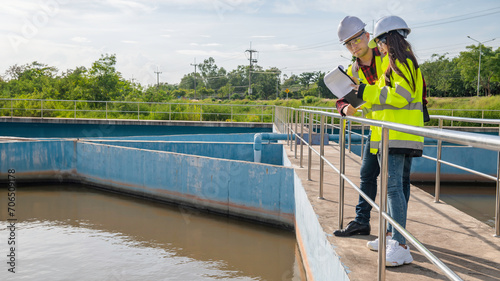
(466, 245)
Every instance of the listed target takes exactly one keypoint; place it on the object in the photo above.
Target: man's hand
(349, 110)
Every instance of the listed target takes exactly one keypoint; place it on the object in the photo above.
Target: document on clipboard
(340, 84)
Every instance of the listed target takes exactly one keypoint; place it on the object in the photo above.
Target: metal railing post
(262, 116)
(201, 112)
(497, 206)
(296, 125)
(322, 154)
(333, 120)
(273, 113)
(341, 172)
(350, 135)
(383, 204)
(437, 190)
(41, 108)
(169, 112)
(309, 146)
(301, 138)
(362, 137)
(11, 109)
(287, 126)
(75, 110)
(106, 110)
(231, 113)
(290, 129)
(452, 116)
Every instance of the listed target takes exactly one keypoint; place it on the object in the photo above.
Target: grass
(215, 110)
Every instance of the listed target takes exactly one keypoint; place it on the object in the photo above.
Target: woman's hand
(355, 87)
(349, 110)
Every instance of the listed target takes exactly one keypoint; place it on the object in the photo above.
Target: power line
(157, 77)
(448, 20)
(252, 60)
(195, 65)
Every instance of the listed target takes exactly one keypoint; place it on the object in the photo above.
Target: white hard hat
(387, 24)
(348, 27)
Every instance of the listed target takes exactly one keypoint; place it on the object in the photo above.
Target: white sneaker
(373, 245)
(397, 255)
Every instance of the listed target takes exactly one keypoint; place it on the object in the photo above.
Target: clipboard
(339, 84)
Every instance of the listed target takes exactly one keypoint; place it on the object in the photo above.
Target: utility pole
(195, 65)
(252, 60)
(479, 67)
(157, 77)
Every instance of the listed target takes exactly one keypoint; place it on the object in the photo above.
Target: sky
(169, 36)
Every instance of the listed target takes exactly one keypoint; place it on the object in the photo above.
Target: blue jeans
(398, 191)
(369, 172)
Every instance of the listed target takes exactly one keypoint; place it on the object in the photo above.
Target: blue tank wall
(271, 154)
(75, 130)
(256, 191)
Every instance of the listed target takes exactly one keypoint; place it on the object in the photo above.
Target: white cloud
(80, 39)
(263, 36)
(171, 33)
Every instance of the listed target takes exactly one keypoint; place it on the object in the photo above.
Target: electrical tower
(157, 77)
(252, 60)
(195, 65)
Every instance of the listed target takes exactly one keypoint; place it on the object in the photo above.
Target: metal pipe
(349, 138)
(497, 206)
(322, 154)
(290, 129)
(362, 135)
(301, 138)
(383, 203)
(286, 129)
(309, 145)
(296, 124)
(342, 170)
(439, 148)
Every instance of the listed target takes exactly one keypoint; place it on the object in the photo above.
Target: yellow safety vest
(398, 104)
(362, 79)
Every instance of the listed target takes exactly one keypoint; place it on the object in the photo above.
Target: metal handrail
(43, 108)
(470, 139)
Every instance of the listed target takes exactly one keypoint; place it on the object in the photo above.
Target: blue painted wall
(51, 130)
(256, 191)
(37, 160)
(272, 153)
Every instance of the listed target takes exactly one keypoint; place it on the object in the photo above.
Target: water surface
(72, 232)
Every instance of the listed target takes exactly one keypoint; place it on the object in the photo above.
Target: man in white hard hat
(367, 69)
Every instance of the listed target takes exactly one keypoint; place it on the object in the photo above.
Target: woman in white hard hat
(396, 97)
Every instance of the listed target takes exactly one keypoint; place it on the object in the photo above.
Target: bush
(309, 100)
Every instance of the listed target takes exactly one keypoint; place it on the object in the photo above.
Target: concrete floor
(466, 245)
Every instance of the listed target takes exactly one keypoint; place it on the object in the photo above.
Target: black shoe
(353, 228)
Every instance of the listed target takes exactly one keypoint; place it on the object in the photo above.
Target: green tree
(490, 69)
(188, 81)
(105, 81)
(443, 77)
